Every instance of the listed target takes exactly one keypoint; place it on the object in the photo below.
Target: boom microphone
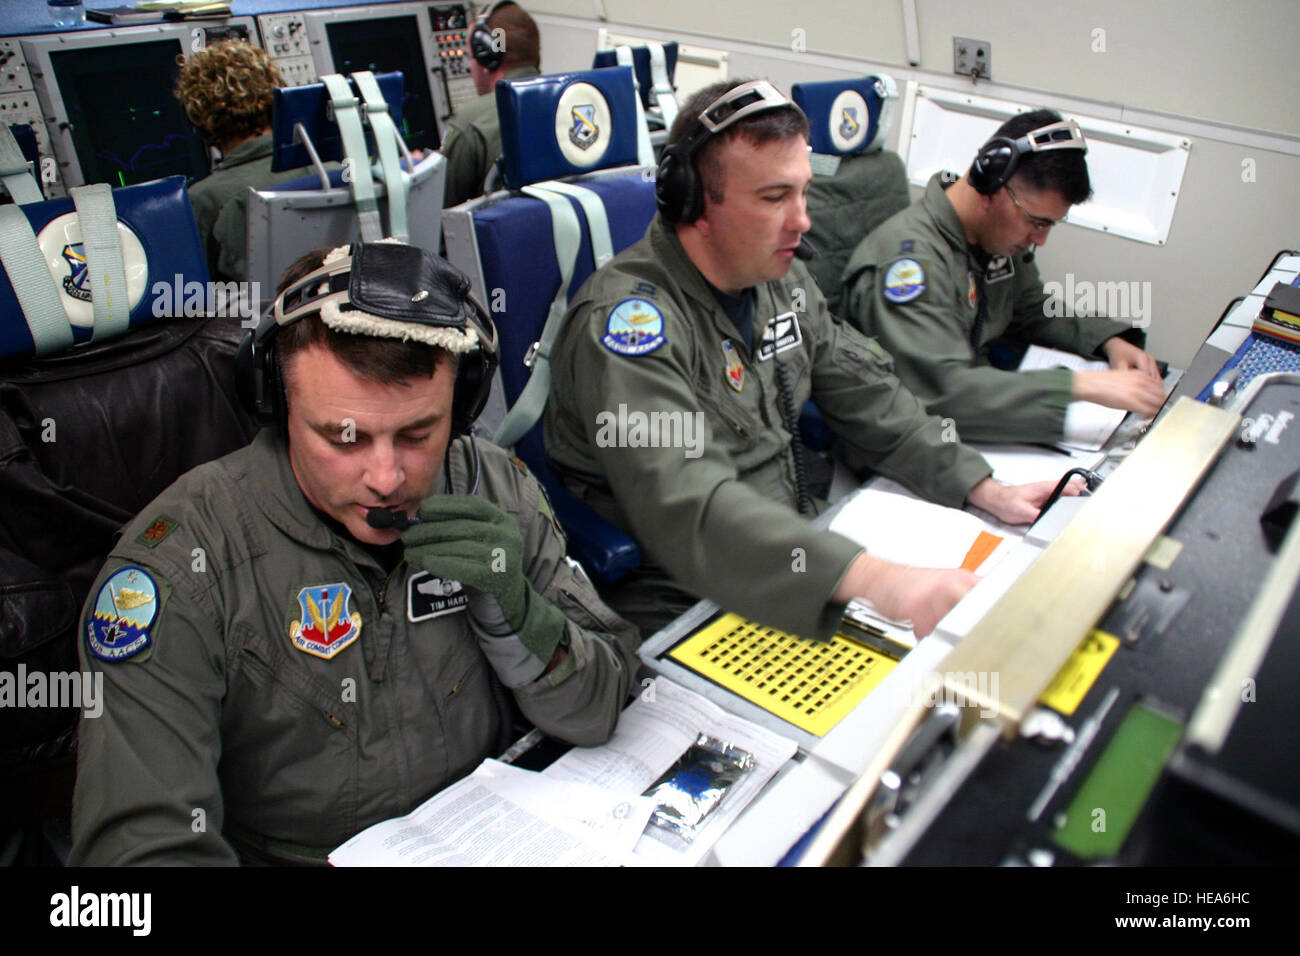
(382, 519)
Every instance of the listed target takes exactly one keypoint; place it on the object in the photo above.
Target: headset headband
(1063, 135)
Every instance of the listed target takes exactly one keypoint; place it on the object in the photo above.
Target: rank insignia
(428, 597)
(907, 245)
(160, 528)
(634, 327)
(125, 609)
(735, 369)
(327, 624)
(904, 281)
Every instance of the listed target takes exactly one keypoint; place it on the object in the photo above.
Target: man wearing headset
(711, 318)
(939, 281)
(282, 665)
(503, 44)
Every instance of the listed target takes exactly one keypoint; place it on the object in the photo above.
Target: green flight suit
(220, 203)
(472, 143)
(719, 519)
(929, 333)
(288, 753)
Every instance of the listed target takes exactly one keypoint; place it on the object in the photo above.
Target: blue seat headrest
(309, 105)
(641, 65)
(160, 242)
(847, 116)
(565, 124)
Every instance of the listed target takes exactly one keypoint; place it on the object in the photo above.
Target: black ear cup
(677, 187)
(994, 165)
(481, 42)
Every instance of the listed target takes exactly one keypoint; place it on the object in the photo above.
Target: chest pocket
(733, 413)
(289, 741)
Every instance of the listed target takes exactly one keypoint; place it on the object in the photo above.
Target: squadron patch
(904, 281)
(782, 333)
(327, 623)
(734, 368)
(158, 529)
(999, 268)
(634, 327)
(428, 597)
(125, 610)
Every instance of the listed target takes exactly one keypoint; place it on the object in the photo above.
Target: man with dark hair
(937, 283)
(226, 90)
(710, 322)
(502, 45)
(283, 666)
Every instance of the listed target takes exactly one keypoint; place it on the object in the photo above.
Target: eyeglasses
(1038, 222)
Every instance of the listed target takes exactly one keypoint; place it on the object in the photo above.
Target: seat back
(87, 438)
(856, 185)
(653, 66)
(505, 243)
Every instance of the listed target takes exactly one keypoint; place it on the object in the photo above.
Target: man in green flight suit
(502, 45)
(282, 665)
(682, 365)
(938, 282)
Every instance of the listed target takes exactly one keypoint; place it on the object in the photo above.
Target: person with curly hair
(225, 91)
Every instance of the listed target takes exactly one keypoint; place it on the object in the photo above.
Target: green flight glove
(470, 540)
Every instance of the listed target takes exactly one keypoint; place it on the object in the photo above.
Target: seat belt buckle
(530, 357)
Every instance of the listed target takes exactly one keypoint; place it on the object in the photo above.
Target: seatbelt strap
(356, 158)
(29, 274)
(567, 236)
(386, 136)
(664, 96)
(15, 171)
(97, 216)
(645, 154)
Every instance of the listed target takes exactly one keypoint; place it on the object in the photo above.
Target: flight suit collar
(255, 148)
(668, 249)
(944, 213)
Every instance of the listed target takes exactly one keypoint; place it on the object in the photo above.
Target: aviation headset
(678, 189)
(482, 44)
(416, 294)
(997, 160)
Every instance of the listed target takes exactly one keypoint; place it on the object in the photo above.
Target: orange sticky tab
(984, 545)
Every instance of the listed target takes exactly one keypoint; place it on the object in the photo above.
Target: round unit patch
(582, 124)
(634, 327)
(125, 610)
(61, 245)
(904, 281)
(849, 121)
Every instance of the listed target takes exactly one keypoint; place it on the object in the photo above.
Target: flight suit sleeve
(689, 511)
(931, 348)
(580, 700)
(230, 240)
(1033, 322)
(882, 424)
(467, 165)
(147, 788)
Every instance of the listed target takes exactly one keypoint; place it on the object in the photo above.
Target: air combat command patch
(904, 281)
(125, 610)
(634, 327)
(327, 624)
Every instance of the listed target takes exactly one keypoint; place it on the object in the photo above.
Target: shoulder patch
(126, 609)
(158, 529)
(904, 281)
(634, 327)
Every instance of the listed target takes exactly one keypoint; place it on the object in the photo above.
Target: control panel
(284, 37)
(19, 106)
(451, 23)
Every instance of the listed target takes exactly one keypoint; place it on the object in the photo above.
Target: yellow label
(811, 684)
(1073, 681)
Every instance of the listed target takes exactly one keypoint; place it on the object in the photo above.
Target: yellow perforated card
(809, 683)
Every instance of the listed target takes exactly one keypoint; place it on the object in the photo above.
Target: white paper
(1228, 337)
(652, 733)
(1087, 424)
(1024, 464)
(471, 824)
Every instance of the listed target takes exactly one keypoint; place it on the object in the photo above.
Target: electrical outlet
(973, 58)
